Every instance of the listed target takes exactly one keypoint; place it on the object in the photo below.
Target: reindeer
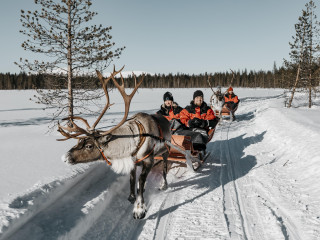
(216, 100)
(131, 143)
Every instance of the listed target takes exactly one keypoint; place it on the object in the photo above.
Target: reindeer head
(92, 142)
(84, 151)
(87, 150)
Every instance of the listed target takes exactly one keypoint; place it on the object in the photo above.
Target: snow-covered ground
(261, 181)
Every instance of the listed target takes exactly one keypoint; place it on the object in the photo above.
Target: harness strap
(142, 131)
(141, 159)
(101, 152)
(161, 137)
(105, 158)
(141, 142)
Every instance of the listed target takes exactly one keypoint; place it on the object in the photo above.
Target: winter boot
(204, 155)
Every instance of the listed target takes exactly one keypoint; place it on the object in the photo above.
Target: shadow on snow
(209, 178)
(114, 220)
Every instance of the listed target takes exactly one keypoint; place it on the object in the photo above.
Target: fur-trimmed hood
(164, 110)
(192, 107)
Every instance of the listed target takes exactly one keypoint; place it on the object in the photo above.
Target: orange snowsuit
(192, 111)
(170, 113)
(231, 98)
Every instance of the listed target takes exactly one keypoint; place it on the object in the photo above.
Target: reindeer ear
(105, 139)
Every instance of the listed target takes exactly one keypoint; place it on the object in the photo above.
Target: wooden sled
(184, 143)
(225, 111)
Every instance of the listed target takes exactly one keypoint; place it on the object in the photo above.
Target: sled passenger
(198, 116)
(171, 111)
(231, 101)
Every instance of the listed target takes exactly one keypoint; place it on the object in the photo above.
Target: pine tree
(303, 50)
(60, 31)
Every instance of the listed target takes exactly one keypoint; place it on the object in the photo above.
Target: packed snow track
(247, 189)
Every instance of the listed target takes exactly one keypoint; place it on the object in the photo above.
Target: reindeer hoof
(141, 216)
(163, 187)
(132, 198)
(139, 210)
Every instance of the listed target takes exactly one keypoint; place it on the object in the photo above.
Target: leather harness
(142, 139)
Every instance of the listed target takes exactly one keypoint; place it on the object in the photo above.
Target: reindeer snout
(67, 158)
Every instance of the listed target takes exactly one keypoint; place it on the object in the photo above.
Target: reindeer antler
(75, 128)
(127, 98)
(104, 82)
(232, 77)
(209, 77)
(75, 131)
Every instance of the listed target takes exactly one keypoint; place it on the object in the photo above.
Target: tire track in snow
(232, 208)
(117, 221)
(162, 221)
(253, 215)
(63, 210)
(235, 212)
(263, 209)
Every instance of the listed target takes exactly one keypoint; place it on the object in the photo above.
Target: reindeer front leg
(164, 184)
(132, 196)
(139, 210)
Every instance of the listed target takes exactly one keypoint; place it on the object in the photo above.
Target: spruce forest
(278, 78)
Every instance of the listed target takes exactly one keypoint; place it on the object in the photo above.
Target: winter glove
(193, 123)
(198, 123)
(204, 123)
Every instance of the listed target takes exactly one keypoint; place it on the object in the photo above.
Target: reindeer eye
(89, 146)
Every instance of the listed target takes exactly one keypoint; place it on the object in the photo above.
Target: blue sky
(185, 36)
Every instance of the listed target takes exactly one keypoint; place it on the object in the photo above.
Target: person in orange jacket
(171, 111)
(231, 100)
(199, 117)
(198, 114)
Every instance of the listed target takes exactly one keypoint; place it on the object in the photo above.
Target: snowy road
(246, 190)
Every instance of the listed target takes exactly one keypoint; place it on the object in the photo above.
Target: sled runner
(184, 143)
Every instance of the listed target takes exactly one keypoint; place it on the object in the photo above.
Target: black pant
(232, 106)
(199, 137)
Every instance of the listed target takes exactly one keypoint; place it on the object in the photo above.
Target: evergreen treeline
(278, 78)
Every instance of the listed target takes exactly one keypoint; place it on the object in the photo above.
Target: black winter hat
(167, 96)
(197, 93)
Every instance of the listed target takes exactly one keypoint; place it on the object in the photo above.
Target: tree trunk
(69, 56)
(310, 96)
(299, 66)
(310, 61)
(294, 87)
